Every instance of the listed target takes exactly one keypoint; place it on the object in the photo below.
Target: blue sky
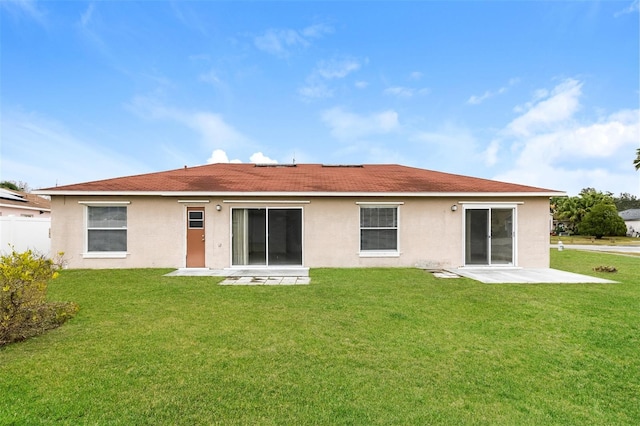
(544, 93)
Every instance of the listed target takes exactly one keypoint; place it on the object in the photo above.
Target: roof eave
(26, 207)
(300, 194)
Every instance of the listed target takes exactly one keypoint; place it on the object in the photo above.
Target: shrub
(603, 220)
(24, 311)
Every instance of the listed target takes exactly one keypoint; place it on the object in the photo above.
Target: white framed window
(106, 229)
(379, 230)
(196, 219)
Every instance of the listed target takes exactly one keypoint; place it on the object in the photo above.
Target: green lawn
(368, 346)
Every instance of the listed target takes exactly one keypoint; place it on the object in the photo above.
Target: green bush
(24, 311)
(603, 220)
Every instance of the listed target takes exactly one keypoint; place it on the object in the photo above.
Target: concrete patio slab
(266, 281)
(527, 276)
(249, 276)
(237, 272)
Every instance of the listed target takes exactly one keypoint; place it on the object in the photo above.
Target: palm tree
(636, 162)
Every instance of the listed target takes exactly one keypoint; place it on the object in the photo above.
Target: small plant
(603, 268)
(24, 311)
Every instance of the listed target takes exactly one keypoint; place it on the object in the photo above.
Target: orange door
(195, 237)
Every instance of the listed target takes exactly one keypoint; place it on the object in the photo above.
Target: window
(196, 219)
(106, 229)
(379, 229)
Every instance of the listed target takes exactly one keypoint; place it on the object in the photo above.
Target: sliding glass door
(489, 236)
(266, 237)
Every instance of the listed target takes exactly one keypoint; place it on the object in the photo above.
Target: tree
(636, 162)
(9, 185)
(15, 186)
(572, 210)
(602, 220)
(626, 201)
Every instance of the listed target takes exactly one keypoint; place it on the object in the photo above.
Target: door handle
(202, 237)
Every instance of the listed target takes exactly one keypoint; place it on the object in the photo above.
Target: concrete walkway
(527, 276)
(266, 281)
(249, 276)
(593, 247)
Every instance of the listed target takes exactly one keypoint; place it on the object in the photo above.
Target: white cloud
(315, 91)
(317, 30)
(210, 77)
(220, 156)
(337, 68)
(562, 104)
(316, 85)
(349, 126)
(86, 17)
(491, 153)
(476, 100)
(282, 42)
(30, 8)
(405, 92)
(583, 141)
(361, 84)
(260, 158)
(632, 8)
(450, 144)
(213, 129)
(44, 152)
(548, 146)
(415, 75)
(279, 42)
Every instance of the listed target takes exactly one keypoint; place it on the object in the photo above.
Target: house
(23, 204)
(25, 220)
(312, 215)
(632, 220)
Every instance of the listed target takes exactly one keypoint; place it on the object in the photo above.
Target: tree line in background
(592, 212)
(15, 186)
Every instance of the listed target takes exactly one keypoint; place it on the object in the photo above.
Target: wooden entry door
(195, 237)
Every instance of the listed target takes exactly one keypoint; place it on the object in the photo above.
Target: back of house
(311, 215)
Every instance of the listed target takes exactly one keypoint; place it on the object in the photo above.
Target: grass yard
(371, 346)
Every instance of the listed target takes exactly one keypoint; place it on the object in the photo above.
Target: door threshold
(505, 267)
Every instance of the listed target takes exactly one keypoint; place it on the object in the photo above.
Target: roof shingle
(299, 178)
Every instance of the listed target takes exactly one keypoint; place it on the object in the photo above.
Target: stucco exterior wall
(12, 210)
(431, 235)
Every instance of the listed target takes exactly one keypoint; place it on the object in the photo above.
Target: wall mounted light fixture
(218, 207)
(454, 208)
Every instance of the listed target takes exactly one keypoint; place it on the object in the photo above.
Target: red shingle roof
(299, 178)
(21, 199)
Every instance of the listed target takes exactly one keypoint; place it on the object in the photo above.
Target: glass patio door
(264, 237)
(489, 236)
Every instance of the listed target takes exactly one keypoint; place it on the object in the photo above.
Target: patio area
(526, 276)
(249, 276)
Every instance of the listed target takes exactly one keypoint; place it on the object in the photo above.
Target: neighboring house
(632, 220)
(311, 215)
(23, 204)
(25, 221)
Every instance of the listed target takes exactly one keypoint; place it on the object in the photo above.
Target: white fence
(24, 233)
